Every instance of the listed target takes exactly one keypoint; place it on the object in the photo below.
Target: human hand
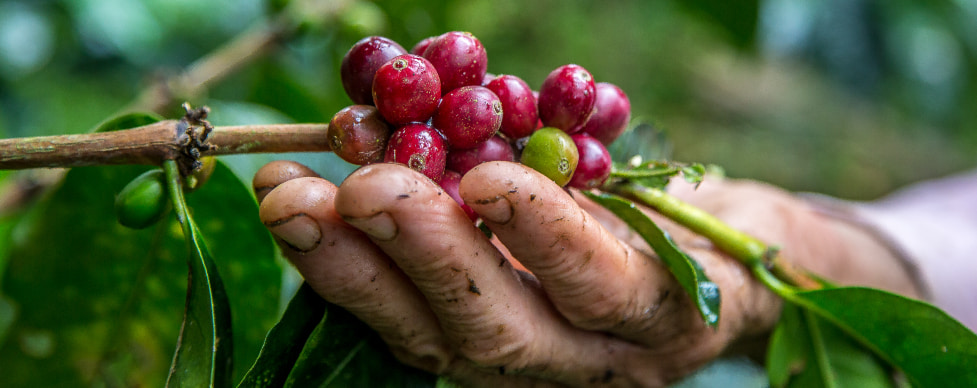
(597, 309)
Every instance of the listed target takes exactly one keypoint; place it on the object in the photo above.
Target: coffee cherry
(420, 147)
(450, 182)
(594, 165)
(201, 175)
(495, 148)
(358, 134)
(468, 116)
(421, 46)
(567, 97)
(460, 59)
(143, 201)
(612, 111)
(488, 78)
(406, 89)
(361, 63)
(519, 116)
(553, 153)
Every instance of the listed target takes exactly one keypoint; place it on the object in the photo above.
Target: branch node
(193, 142)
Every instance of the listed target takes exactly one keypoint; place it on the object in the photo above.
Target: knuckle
(503, 352)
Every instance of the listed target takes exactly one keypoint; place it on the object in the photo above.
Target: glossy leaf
(344, 352)
(127, 120)
(98, 304)
(929, 346)
(807, 351)
(787, 351)
(286, 340)
(686, 270)
(203, 353)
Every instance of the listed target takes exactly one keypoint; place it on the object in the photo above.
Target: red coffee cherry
(612, 111)
(419, 48)
(594, 165)
(566, 98)
(460, 59)
(519, 115)
(420, 147)
(361, 63)
(406, 89)
(450, 182)
(495, 148)
(468, 116)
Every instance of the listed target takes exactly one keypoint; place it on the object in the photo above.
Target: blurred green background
(852, 98)
(846, 97)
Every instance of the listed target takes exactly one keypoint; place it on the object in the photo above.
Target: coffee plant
(437, 110)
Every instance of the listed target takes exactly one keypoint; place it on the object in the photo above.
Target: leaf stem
(741, 246)
(155, 143)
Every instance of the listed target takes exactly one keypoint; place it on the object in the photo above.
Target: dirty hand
(595, 306)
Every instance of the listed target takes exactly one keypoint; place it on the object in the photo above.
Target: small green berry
(143, 201)
(553, 153)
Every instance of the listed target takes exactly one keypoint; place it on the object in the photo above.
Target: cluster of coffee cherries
(438, 111)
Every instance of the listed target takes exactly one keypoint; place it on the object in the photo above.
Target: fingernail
(380, 226)
(497, 209)
(299, 231)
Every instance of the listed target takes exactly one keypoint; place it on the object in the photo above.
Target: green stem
(747, 249)
(174, 183)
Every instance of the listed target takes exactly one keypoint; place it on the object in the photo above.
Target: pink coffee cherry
(612, 112)
(450, 182)
(566, 98)
(594, 165)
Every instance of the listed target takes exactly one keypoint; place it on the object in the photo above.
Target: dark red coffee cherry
(460, 59)
(567, 97)
(468, 116)
(419, 48)
(594, 165)
(612, 111)
(420, 147)
(450, 182)
(358, 134)
(406, 89)
(495, 148)
(519, 118)
(361, 63)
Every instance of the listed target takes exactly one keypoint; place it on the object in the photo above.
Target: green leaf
(203, 352)
(929, 346)
(694, 173)
(686, 270)
(344, 352)
(807, 351)
(127, 120)
(99, 304)
(286, 340)
(786, 353)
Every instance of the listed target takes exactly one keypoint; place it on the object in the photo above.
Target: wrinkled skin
(598, 309)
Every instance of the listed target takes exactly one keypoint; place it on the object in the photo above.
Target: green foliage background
(848, 98)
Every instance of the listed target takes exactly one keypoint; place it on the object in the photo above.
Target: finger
(595, 280)
(275, 173)
(344, 267)
(495, 317)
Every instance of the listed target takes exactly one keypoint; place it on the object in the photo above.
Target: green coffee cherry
(553, 153)
(196, 179)
(143, 201)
